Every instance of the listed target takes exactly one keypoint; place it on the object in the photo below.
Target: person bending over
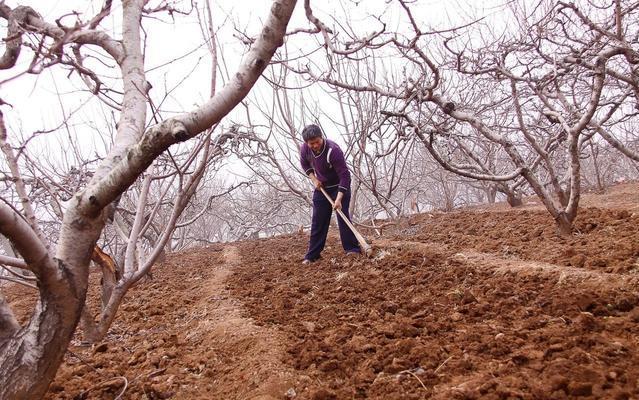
(323, 161)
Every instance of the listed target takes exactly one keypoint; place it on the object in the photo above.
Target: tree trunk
(514, 199)
(31, 355)
(8, 323)
(491, 194)
(30, 358)
(595, 162)
(564, 224)
(562, 197)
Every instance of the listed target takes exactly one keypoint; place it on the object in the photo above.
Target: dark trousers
(322, 212)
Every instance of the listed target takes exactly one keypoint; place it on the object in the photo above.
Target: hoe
(366, 248)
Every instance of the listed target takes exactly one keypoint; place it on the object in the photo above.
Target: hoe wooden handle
(366, 248)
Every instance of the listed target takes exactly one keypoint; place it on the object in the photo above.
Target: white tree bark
(30, 356)
(12, 161)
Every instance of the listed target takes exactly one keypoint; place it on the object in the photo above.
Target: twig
(84, 362)
(26, 278)
(442, 364)
(126, 384)
(18, 281)
(103, 383)
(151, 374)
(416, 377)
(107, 383)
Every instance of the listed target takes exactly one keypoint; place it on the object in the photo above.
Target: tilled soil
(426, 324)
(178, 335)
(605, 239)
(481, 304)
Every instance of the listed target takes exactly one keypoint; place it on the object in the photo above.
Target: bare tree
(514, 108)
(30, 355)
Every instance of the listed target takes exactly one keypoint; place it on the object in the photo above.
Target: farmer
(323, 161)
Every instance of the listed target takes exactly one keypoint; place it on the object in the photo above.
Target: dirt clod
(580, 389)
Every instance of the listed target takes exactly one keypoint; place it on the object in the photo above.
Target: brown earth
(606, 237)
(477, 304)
(179, 335)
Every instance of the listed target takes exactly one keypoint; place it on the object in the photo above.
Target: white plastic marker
(366, 248)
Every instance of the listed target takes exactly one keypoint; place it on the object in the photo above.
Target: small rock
(559, 383)
(619, 347)
(612, 375)
(370, 348)
(310, 327)
(586, 321)
(329, 365)
(374, 315)
(323, 394)
(304, 380)
(398, 364)
(388, 331)
(590, 226)
(623, 214)
(585, 302)
(101, 348)
(468, 297)
(169, 354)
(172, 340)
(159, 391)
(456, 316)
(554, 348)
(154, 359)
(580, 389)
(419, 371)
(390, 307)
(535, 354)
(137, 357)
(520, 359)
(56, 388)
(626, 304)
(499, 336)
(290, 393)
(358, 342)
(578, 260)
(149, 345)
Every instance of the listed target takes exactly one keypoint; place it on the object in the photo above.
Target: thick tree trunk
(514, 199)
(29, 359)
(31, 355)
(564, 224)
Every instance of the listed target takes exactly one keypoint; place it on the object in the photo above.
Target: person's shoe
(309, 261)
(353, 254)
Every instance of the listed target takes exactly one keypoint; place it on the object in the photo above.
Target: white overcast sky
(37, 106)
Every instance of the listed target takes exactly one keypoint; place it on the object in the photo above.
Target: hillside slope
(484, 303)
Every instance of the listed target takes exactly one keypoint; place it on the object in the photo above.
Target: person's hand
(337, 204)
(316, 182)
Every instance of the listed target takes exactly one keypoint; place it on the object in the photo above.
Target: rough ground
(478, 304)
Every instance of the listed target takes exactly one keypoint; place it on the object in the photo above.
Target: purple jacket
(329, 165)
